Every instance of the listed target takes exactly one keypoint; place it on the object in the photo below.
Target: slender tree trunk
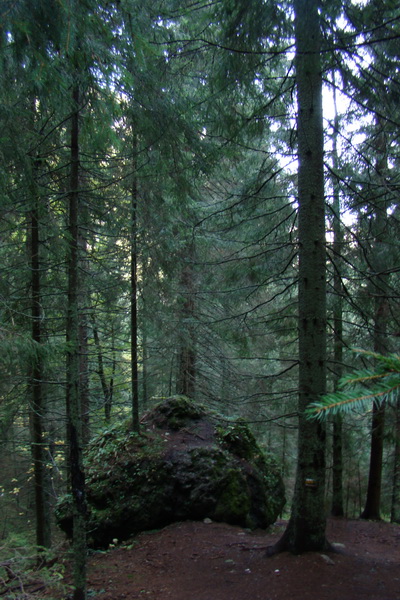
(337, 441)
(146, 383)
(373, 501)
(224, 380)
(145, 358)
(100, 371)
(186, 376)
(74, 412)
(306, 528)
(113, 367)
(84, 377)
(337, 509)
(134, 293)
(83, 338)
(395, 509)
(381, 315)
(43, 538)
(372, 507)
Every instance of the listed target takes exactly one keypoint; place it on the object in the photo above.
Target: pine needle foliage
(357, 389)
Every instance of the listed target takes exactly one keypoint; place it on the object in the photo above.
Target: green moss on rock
(233, 503)
(176, 412)
(238, 439)
(181, 467)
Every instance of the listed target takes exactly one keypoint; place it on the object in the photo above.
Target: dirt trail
(214, 561)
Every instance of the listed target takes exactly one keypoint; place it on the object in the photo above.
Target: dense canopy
(198, 198)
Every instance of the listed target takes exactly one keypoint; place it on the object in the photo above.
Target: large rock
(183, 466)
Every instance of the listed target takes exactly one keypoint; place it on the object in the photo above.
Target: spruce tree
(306, 528)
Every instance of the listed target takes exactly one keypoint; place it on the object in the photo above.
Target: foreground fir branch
(357, 389)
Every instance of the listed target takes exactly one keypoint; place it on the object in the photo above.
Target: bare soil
(215, 561)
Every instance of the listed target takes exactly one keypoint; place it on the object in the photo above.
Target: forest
(199, 199)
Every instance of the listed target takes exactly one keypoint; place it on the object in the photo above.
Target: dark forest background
(149, 230)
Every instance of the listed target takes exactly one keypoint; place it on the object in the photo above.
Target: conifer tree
(306, 528)
(74, 411)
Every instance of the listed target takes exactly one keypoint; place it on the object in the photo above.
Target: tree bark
(373, 501)
(43, 537)
(337, 509)
(186, 376)
(74, 413)
(395, 509)
(306, 528)
(145, 359)
(372, 509)
(107, 389)
(134, 302)
(381, 315)
(83, 336)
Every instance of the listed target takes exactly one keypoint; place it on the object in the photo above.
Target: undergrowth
(26, 570)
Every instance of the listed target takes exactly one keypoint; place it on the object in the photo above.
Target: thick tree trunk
(306, 528)
(74, 412)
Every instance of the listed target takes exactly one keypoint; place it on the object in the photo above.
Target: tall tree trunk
(337, 441)
(74, 412)
(337, 509)
(43, 537)
(145, 358)
(381, 314)
(83, 337)
(107, 389)
(306, 527)
(134, 293)
(146, 384)
(395, 509)
(186, 375)
(113, 367)
(372, 509)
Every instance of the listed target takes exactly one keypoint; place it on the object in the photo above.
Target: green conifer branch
(379, 384)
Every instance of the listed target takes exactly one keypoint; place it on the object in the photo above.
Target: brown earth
(215, 561)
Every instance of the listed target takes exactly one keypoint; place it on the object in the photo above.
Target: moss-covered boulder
(182, 466)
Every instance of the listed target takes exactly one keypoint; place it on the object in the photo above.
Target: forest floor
(214, 561)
